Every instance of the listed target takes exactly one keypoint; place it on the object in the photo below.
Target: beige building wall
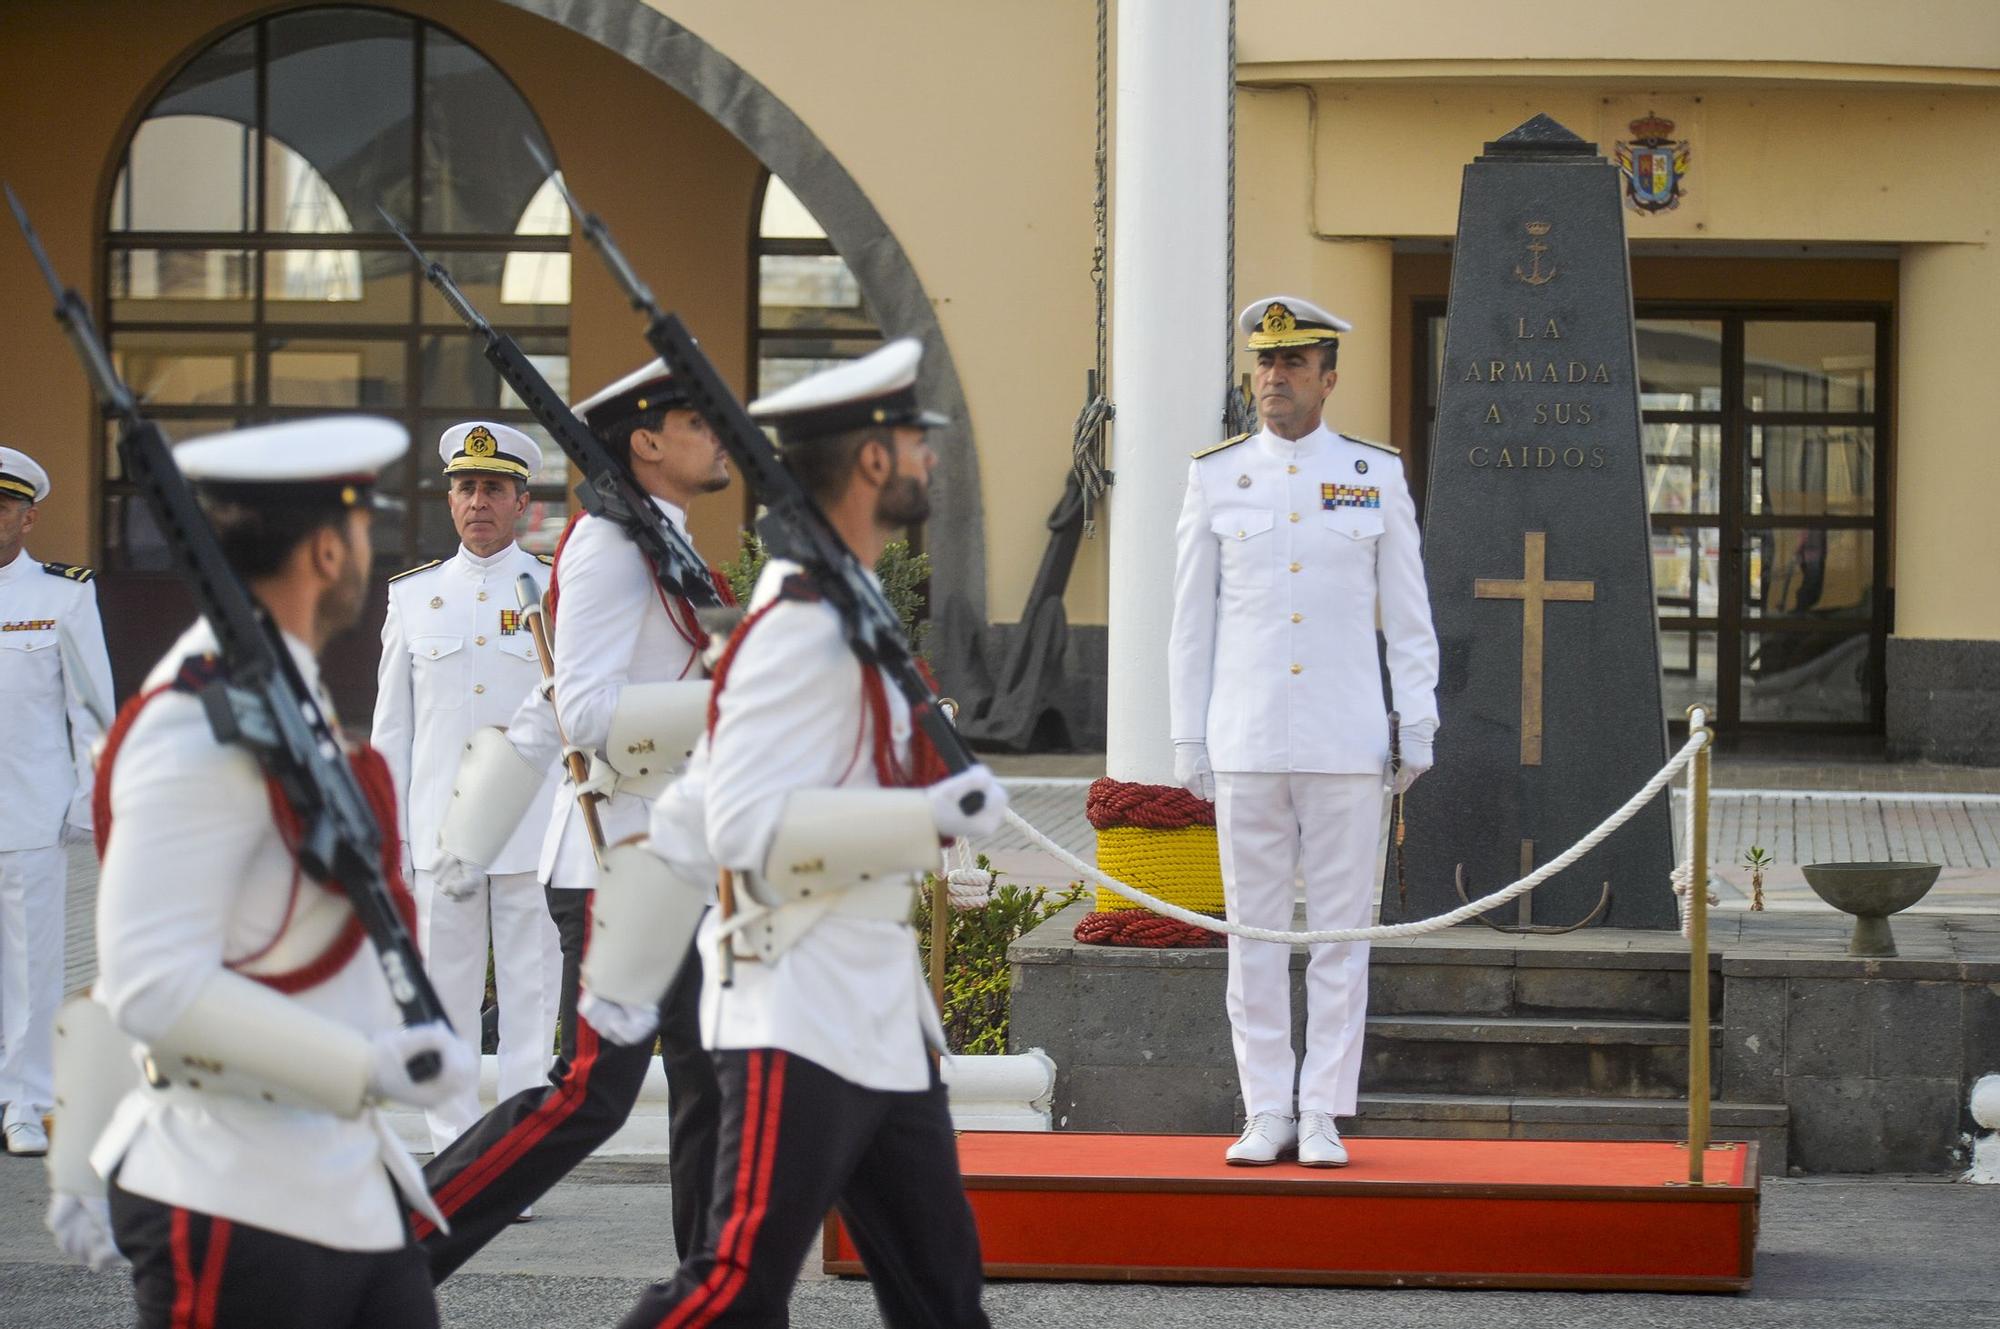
(971, 128)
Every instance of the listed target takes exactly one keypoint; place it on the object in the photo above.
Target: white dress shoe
(26, 1139)
(1266, 1138)
(1319, 1142)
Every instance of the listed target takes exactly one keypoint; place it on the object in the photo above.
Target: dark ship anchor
(1525, 905)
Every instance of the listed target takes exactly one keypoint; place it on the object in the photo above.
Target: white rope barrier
(1421, 927)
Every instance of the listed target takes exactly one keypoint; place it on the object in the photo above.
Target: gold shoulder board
(1370, 443)
(69, 571)
(546, 560)
(1214, 448)
(421, 567)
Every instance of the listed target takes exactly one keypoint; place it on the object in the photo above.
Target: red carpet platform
(1420, 1213)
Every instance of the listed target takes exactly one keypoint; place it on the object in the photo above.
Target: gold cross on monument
(1533, 590)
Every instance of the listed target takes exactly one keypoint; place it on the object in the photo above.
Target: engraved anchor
(1535, 276)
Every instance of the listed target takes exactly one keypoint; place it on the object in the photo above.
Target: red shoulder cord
(924, 767)
(680, 612)
(376, 783)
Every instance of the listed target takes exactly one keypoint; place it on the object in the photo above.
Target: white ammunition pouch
(241, 1038)
(491, 796)
(642, 920)
(653, 733)
(95, 1067)
(850, 852)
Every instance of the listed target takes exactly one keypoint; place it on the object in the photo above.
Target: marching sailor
(1293, 543)
(820, 798)
(55, 688)
(629, 691)
(455, 657)
(251, 1182)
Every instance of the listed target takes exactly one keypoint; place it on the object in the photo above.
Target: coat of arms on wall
(1654, 164)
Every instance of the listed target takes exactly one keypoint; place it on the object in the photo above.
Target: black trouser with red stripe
(797, 1141)
(530, 1142)
(192, 1270)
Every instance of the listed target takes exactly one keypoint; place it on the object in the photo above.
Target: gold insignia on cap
(349, 496)
(1278, 319)
(480, 443)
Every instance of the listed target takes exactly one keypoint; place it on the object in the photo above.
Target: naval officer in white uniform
(53, 670)
(1293, 544)
(456, 656)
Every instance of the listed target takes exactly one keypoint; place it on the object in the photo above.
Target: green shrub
(976, 977)
(903, 573)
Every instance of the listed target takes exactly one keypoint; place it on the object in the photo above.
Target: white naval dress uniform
(1288, 552)
(45, 784)
(829, 1093)
(850, 995)
(455, 657)
(195, 878)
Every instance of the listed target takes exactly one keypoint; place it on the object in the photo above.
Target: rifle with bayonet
(873, 631)
(260, 701)
(608, 489)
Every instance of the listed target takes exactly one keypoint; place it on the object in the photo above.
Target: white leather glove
(81, 1225)
(616, 1021)
(1416, 760)
(456, 879)
(1192, 771)
(458, 1069)
(599, 779)
(953, 822)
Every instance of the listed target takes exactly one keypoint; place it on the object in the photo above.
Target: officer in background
(822, 799)
(252, 1183)
(1292, 543)
(55, 685)
(456, 656)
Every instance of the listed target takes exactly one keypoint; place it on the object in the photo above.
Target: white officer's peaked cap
(650, 387)
(1287, 320)
(880, 388)
(481, 445)
(21, 476)
(340, 452)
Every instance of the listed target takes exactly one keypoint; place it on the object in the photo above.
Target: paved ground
(1844, 1254)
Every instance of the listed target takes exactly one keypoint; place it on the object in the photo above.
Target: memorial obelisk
(1537, 547)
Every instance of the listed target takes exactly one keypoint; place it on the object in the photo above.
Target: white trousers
(527, 969)
(31, 976)
(1273, 828)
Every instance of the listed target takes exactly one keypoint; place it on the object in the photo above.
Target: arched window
(809, 312)
(251, 278)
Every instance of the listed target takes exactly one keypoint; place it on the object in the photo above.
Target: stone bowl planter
(1871, 892)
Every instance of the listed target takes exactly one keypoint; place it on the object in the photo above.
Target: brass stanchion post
(941, 903)
(1698, 1104)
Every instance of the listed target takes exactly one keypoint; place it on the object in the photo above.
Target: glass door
(1764, 463)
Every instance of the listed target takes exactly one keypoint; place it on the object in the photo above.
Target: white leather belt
(760, 932)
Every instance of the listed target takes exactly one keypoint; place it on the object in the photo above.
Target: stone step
(1522, 1056)
(1482, 1116)
(1411, 978)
